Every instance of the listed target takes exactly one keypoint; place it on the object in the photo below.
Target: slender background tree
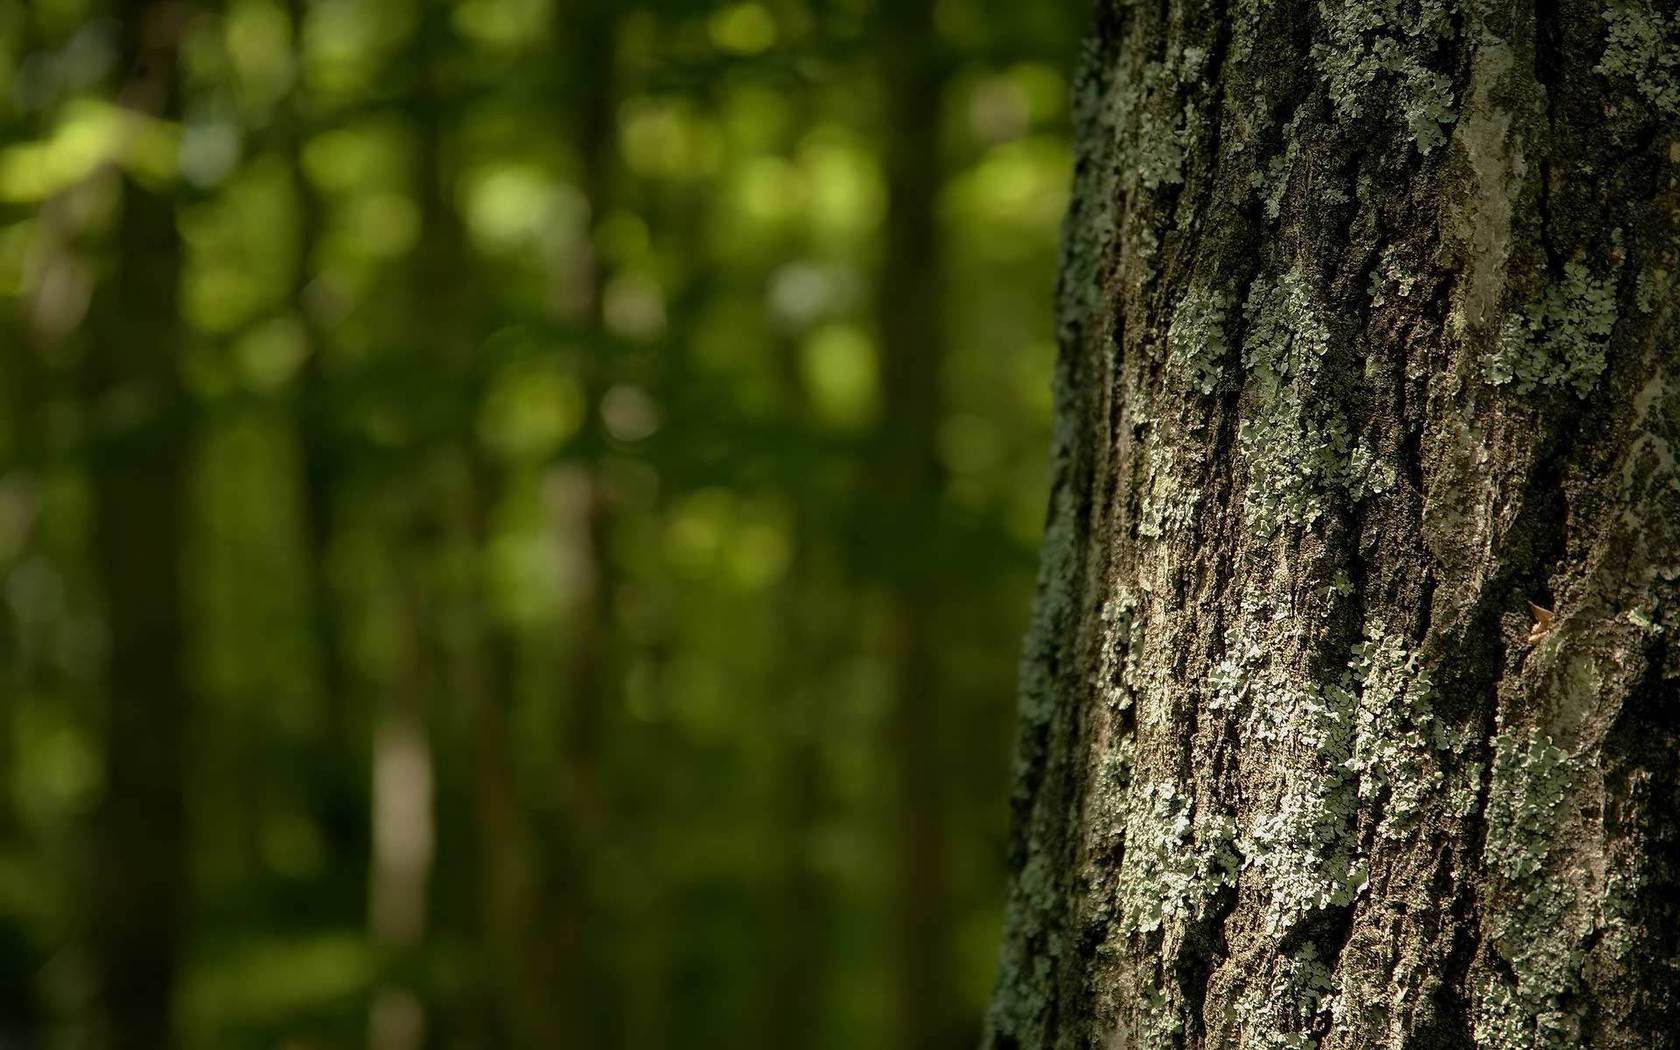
(139, 432)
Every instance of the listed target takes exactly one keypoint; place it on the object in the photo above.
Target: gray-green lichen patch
(1160, 1020)
(1279, 1014)
(1166, 124)
(1372, 40)
(1302, 847)
(1160, 152)
(1196, 341)
(1178, 858)
(1172, 866)
(1429, 108)
(1297, 447)
(1642, 47)
(1398, 741)
(1272, 181)
(1390, 281)
(1561, 338)
(1120, 646)
(1369, 739)
(1534, 930)
(1168, 503)
(1299, 846)
(1530, 779)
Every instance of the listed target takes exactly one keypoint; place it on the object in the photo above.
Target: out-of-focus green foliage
(543, 534)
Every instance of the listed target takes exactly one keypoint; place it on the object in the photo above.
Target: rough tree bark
(1351, 708)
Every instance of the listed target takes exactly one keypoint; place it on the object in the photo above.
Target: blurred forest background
(516, 516)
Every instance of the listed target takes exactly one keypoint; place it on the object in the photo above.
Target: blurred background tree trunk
(912, 331)
(139, 423)
(1348, 708)
(590, 1002)
(322, 439)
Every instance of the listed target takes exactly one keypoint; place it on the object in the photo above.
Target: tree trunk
(583, 926)
(341, 800)
(912, 356)
(138, 436)
(1349, 708)
(801, 912)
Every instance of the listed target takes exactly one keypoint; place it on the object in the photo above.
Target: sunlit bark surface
(1351, 711)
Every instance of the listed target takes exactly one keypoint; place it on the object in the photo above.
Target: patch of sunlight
(803, 292)
(847, 197)
(239, 250)
(57, 774)
(1021, 184)
(89, 134)
(1008, 104)
(526, 576)
(760, 547)
(696, 530)
(509, 25)
(840, 371)
(531, 409)
(757, 118)
(664, 137)
(258, 38)
(352, 159)
(345, 42)
(514, 206)
(769, 191)
(1043, 87)
(270, 354)
(743, 29)
(274, 978)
